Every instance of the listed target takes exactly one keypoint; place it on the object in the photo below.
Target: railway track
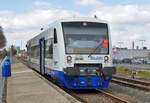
(132, 80)
(114, 98)
(138, 84)
(117, 99)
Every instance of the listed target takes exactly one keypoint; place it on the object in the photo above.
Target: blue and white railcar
(75, 52)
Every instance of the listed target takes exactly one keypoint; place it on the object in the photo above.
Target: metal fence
(2, 81)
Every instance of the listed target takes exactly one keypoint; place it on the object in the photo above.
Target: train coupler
(89, 82)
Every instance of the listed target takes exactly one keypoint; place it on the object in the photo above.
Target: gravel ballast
(130, 94)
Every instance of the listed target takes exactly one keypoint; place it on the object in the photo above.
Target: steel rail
(113, 97)
(132, 80)
(140, 87)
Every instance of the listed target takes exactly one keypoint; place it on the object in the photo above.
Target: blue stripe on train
(75, 82)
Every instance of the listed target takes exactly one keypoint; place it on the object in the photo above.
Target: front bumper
(106, 71)
(89, 80)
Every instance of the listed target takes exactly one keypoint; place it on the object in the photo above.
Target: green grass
(128, 72)
(143, 73)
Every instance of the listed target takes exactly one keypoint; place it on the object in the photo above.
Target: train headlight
(106, 58)
(69, 58)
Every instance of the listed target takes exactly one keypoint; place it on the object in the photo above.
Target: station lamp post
(142, 41)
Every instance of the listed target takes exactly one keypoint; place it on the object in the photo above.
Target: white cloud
(135, 36)
(39, 3)
(88, 2)
(22, 27)
(34, 18)
(127, 22)
(124, 14)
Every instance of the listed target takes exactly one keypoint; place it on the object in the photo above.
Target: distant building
(131, 53)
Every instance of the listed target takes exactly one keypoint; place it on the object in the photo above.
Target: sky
(129, 19)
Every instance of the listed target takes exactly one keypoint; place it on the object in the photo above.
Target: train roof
(81, 19)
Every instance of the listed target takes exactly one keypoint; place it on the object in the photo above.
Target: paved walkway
(26, 87)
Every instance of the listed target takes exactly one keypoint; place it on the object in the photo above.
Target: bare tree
(2, 38)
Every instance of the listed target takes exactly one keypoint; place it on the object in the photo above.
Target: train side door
(55, 50)
(42, 55)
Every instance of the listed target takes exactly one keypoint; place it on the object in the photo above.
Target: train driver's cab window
(49, 48)
(55, 36)
(84, 37)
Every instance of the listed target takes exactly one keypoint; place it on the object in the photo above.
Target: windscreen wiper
(95, 49)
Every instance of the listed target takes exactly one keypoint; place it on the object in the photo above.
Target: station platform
(25, 86)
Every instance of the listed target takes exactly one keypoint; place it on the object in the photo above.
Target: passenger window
(34, 52)
(49, 49)
(55, 36)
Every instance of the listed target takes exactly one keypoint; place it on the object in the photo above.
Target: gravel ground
(129, 94)
(92, 97)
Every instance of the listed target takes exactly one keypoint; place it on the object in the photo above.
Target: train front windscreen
(85, 37)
